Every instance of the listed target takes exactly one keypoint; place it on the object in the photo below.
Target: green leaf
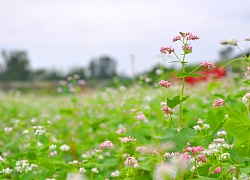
(242, 148)
(246, 82)
(184, 74)
(175, 101)
(180, 139)
(47, 164)
(238, 125)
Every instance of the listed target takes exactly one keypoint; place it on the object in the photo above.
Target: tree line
(16, 67)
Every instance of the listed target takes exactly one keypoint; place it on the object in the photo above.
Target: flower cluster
(165, 84)
(115, 173)
(121, 130)
(23, 165)
(6, 171)
(39, 130)
(141, 116)
(219, 102)
(189, 36)
(216, 171)
(131, 162)
(246, 99)
(248, 70)
(167, 110)
(127, 139)
(65, 147)
(106, 144)
(207, 65)
(165, 50)
(200, 125)
(187, 48)
(226, 42)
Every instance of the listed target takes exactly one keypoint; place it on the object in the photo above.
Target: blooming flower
(127, 139)
(95, 170)
(192, 36)
(122, 130)
(216, 171)
(8, 129)
(176, 38)
(39, 130)
(246, 99)
(115, 174)
(6, 171)
(131, 162)
(248, 70)
(165, 84)
(82, 170)
(65, 147)
(207, 65)
(165, 50)
(141, 116)
(232, 42)
(106, 144)
(219, 102)
(167, 110)
(187, 48)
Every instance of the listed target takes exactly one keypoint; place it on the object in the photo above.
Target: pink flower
(165, 50)
(106, 144)
(201, 158)
(121, 130)
(176, 38)
(131, 162)
(248, 70)
(141, 116)
(219, 102)
(195, 149)
(167, 110)
(216, 171)
(187, 48)
(127, 139)
(192, 37)
(207, 65)
(165, 84)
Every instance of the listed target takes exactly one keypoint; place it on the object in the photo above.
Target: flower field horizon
(171, 130)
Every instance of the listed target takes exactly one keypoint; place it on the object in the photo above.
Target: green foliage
(238, 125)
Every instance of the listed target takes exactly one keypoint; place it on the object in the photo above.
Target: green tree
(102, 68)
(16, 66)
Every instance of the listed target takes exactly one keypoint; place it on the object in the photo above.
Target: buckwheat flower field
(171, 130)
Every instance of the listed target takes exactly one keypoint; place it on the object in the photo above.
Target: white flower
(221, 133)
(40, 130)
(8, 129)
(94, 170)
(115, 174)
(82, 170)
(197, 128)
(84, 156)
(1, 159)
(6, 171)
(53, 153)
(65, 147)
(25, 131)
(206, 126)
(224, 156)
(52, 147)
(39, 144)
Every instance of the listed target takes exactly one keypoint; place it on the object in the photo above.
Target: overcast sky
(69, 33)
